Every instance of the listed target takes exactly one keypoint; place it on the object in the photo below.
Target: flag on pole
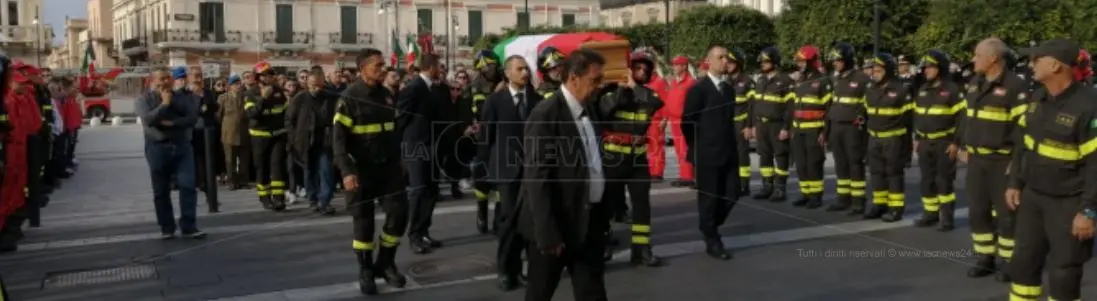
(413, 49)
(88, 65)
(397, 52)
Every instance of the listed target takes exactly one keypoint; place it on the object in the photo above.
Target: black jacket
(309, 120)
(708, 123)
(501, 134)
(416, 115)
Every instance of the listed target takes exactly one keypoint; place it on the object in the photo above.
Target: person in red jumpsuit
(25, 120)
(672, 112)
(657, 140)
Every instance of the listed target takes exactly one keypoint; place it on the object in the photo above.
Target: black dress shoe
(984, 267)
(803, 200)
(508, 283)
(434, 244)
(715, 249)
(814, 202)
(419, 246)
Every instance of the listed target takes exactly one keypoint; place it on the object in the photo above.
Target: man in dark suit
(415, 118)
(501, 127)
(707, 120)
(562, 187)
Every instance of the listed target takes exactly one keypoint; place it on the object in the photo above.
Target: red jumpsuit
(675, 99)
(25, 119)
(657, 160)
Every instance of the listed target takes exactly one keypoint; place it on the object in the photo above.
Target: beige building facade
(290, 34)
(101, 32)
(769, 7)
(22, 36)
(620, 13)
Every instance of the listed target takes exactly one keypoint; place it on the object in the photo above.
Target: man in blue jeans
(168, 118)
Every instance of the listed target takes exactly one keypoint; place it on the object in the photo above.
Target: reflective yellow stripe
(989, 115)
(625, 149)
(248, 105)
(480, 195)
(389, 241)
(641, 240)
(276, 184)
(632, 116)
(641, 229)
(941, 110)
(741, 117)
(362, 245)
(1005, 242)
(896, 199)
(1018, 111)
(888, 134)
(344, 120)
(780, 172)
(4, 117)
(815, 100)
(1061, 151)
(373, 128)
(1032, 291)
(947, 198)
(1022, 121)
(982, 237)
(479, 97)
(851, 100)
(262, 133)
(984, 249)
(880, 197)
(988, 151)
(889, 111)
(808, 124)
(47, 107)
(936, 135)
(766, 171)
(274, 110)
(772, 98)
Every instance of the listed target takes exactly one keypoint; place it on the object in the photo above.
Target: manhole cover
(100, 276)
(451, 269)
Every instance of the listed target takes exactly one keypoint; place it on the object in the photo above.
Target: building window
(426, 20)
(211, 21)
(523, 20)
(13, 13)
(569, 20)
(348, 24)
(283, 23)
(626, 18)
(476, 25)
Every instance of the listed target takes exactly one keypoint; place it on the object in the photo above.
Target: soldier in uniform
(627, 111)
(888, 106)
(770, 113)
(367, 151)
(477, 91)
(996, 98)
(811, 97)
(845, 129)
(744, 89)
(938, 110)
(549, 65)
(265, 107)
(1053, 179)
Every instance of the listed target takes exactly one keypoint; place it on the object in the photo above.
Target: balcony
(26, 34)
(287, 41)
(134, 46)
(338, 41)
(198, 40)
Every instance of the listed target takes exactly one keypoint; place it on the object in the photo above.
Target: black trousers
(384, 184)
(70, 151)
(938, 173)
(991, 220)
(848, 143)
(511, 242)
(48, 174)
(1044, 240)
(742, 151)
(633, 176)
(773, 152)
(198, 143)
(422, 196)
(717, 193)
(809, 157)
(583, 260)
(887, 159)
(269, 156)
(60, 148)
(37, 154)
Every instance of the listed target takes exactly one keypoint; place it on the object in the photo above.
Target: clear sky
(56, 10)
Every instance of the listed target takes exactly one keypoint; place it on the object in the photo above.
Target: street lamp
(37, 40)
(395, 5)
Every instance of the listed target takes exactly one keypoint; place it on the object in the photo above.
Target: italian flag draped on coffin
(529, 46)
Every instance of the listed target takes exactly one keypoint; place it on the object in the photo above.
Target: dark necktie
(521, 97)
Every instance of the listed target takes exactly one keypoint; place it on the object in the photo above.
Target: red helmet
(1083, 69)
(810, 54)
(263, 67)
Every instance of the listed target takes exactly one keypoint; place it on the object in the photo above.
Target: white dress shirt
(58, 122)
(716, 80)
(514, 94)
(597, 184)
(427, 80)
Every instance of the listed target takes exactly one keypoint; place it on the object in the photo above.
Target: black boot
(744, 187)
(857, 206)
(778, 194)
(893, 214)
(278, 202)
(815, 201)
(766, 191)
(983, 267)
(482, 216)
(803, 200)
(611, 242)
(841, 204)
(928, 219)
(642, 255)
(386, 265)
(1002, 275)
(948, 211)
(365, 272)
(876, 212)
(265, 200)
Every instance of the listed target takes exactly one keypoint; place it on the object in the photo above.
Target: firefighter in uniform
(996, 98)
(39, 148)
(744, 89)
(811, 96)
(548, 64)
(938, 110)
(627, 112)
(367, 151)
(845, 129)
(769, 114)
(477, 91)
(265, 107)
(1053, 179)
(888, 106)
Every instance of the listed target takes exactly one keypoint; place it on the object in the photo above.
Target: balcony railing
(132, 43)
(40, 34)
(193, 38)
(360, 38)
(295, 37)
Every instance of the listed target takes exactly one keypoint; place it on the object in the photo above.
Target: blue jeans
(319, 178)
(165, 160)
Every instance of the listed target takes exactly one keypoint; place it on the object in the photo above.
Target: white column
(4, 13)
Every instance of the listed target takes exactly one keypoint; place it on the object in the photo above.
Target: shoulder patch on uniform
(1000, 91)
(892, 94)
(944, 93)
(815, 84)
(1065, 119)
(852, 84)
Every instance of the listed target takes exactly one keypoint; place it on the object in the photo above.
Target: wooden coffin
(616, 53)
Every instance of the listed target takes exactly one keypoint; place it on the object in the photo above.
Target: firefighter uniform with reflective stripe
(1056, 170)
(744, 88)
(847, 138)
(548, 88)
(888, 106)
(476, 93)
(627, 115)
(938, 110)
(807, 118)
(769, 111)
(993, 107)
(266, 126)
(366, 145)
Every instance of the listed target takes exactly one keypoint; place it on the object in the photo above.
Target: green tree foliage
(824, 22)
(957, 25)
(698, 28)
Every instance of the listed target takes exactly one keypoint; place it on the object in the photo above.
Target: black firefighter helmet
(549, 58)
(844, 52)
(772, 55)
(886, 60)
(485, 58)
